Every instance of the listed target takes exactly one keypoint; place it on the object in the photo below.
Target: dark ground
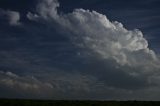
(18, 102)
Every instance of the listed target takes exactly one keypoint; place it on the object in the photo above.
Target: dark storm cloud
(76, 55)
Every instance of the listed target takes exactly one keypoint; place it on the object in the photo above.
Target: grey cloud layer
(13, 17)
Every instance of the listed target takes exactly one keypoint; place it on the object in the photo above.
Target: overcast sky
(69, 49)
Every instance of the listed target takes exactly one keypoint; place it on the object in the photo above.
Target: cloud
(23, 83)
(56, 87)
(104, 60)
(104, 39)
(96, 32)
(13, 85)
(12, 17)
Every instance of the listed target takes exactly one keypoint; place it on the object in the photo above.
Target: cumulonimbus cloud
(94, 31)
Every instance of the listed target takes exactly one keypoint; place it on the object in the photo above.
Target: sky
(80, 50)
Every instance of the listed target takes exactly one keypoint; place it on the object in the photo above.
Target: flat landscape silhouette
(20, 102)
